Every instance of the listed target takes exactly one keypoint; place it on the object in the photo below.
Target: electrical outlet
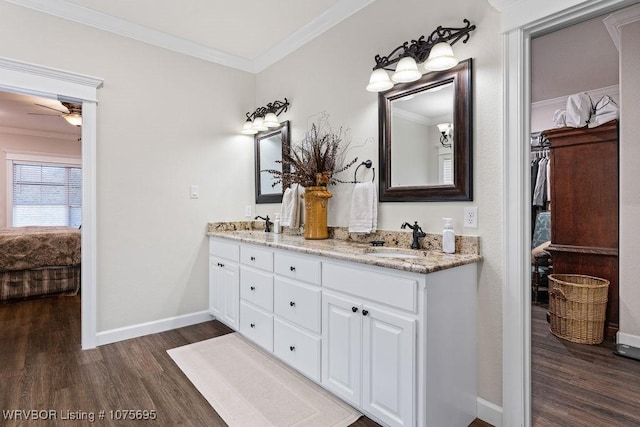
(247, 211)
(471, 217)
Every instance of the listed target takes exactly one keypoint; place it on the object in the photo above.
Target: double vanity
(390, 330)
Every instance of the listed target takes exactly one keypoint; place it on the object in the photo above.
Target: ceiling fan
(73, 115)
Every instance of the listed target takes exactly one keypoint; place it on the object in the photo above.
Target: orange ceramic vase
(315, 213)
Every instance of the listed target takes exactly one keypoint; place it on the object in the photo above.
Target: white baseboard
(489, 412)
(162, 325)
(628, 339)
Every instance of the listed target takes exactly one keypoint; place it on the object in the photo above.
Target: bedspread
(23, 248)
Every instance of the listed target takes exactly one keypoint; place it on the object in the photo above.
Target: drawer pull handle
(292, 348)
(292, 303)
(253, 325)
(365, 312)
(220, 265)
(252, 258)
(253, 288)
(354, 309)
(292, 268)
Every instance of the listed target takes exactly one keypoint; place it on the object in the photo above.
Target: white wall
(629, 183)
(12, 142)
(165, 121)
(330, 74)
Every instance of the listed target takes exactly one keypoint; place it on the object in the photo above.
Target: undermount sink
(400, 253)
(393, 255)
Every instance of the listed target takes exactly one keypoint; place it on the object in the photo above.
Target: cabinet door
(388, 366)
(224, 291)
(341, 346)
(215, 277)
(230, 296)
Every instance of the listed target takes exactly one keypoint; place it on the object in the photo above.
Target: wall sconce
(445, 131)
(264, 118)
(433, 54)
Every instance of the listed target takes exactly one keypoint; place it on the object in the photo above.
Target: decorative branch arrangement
(317, 159)
(420, 49)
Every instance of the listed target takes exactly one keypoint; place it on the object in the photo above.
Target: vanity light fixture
(265, 117)
(445, 131)
(433, 54)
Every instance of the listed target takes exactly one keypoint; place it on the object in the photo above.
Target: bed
(39, 261)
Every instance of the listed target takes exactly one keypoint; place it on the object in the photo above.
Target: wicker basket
(577, 307)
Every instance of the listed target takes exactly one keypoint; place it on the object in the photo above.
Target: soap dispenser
(448, 237)
(276, 224)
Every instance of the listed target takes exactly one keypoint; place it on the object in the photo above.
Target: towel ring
(367, 164)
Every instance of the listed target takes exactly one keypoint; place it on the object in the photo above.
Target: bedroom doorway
(36, 80)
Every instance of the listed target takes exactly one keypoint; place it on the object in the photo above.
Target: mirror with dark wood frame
(426, 138)
(269, 148)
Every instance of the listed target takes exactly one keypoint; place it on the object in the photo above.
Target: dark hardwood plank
(579, 384)
(43, 367)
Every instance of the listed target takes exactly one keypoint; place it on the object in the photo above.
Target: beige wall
(577, 58)
(11, 142)
(330, 74)
(629, 185)
(165, 121)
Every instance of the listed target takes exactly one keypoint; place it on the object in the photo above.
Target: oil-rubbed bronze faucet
(417, 233)
(267, 223)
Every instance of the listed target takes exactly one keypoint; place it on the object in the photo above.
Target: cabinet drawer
(299, 268)
(297, 348)
(255, 257)
(256, 325)
(224, 249)
(298, 303)
(392, 290)
(257, 287)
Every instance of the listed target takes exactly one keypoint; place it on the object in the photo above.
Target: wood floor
(578, 384)
(43, 368)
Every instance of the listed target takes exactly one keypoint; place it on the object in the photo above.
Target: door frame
(523, 20)
(32, 79)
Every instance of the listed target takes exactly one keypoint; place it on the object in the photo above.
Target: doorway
(46, 82)
(522, 22)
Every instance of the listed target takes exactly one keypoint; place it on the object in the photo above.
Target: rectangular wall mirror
(269, 147)
(425, 130)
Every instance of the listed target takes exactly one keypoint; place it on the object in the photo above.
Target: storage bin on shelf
(577, 307)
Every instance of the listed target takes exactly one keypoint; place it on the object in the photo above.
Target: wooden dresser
(584, 206)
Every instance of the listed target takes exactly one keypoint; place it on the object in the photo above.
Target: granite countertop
(425, 261)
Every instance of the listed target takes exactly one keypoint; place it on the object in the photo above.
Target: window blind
(447, 171)
(46, 195)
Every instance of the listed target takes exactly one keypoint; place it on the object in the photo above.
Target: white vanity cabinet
(368, 355)
(399, 346)
(256, 295)
(297, 309)
(224, 282)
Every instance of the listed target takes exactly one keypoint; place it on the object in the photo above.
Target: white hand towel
(290, 209)
(364, 208)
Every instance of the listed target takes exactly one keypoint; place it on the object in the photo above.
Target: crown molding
(561, 101)
(619, 19)
(39, 133)
(524, 13)
(331, 17)
(85, 16)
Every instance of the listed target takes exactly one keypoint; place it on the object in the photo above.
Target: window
(45, 194)
(446, 169)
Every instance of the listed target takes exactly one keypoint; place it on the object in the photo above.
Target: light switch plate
(247, 211)
(195, 191)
